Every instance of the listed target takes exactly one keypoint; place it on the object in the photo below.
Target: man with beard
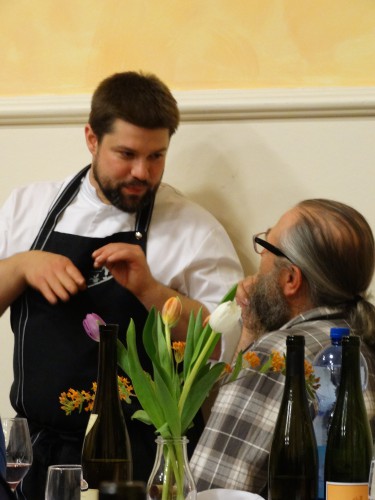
(316, 265)
(112, 240)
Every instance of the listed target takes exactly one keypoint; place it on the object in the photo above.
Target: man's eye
(127, 154)
(156, 156)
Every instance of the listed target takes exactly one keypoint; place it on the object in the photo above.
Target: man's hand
(243, 290)
(243, 299)
(54, 275)
(127, 264)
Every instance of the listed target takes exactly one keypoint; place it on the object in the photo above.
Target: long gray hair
(333, 245)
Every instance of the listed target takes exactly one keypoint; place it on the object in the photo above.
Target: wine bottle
(293, 461)
(349, 442)
(106, 453)
(129, 490)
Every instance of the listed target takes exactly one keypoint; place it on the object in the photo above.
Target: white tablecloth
(224, 494)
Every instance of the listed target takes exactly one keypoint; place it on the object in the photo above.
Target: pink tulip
(91, 325)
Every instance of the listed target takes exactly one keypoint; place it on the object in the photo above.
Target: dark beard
(268, 309)
(126, 203)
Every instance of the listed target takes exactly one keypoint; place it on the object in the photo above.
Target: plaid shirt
(234, 447)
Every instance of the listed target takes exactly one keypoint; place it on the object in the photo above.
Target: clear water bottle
(327, 366)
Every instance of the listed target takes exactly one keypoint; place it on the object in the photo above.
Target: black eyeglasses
(260, 244)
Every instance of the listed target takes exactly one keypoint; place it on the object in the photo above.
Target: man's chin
(133, 203)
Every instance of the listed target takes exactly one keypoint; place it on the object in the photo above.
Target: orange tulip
(171, 312)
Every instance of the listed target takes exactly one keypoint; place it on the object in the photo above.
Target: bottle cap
(351, 340)
(337, 333)
(129, 490)
(295, 340)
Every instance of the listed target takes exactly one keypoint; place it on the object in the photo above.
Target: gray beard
(268, 309)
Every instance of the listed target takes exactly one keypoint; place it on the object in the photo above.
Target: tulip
(170, 315)
(91, 325)
(226, 319)
(171, 311)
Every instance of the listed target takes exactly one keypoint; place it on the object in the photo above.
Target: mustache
(134, 183)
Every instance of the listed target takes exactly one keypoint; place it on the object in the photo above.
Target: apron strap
(67, 196)
(144, 219)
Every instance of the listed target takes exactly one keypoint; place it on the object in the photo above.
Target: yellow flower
(171, 311)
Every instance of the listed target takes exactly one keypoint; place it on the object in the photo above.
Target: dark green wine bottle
(293, 461)
(106, 453)
(349, 442)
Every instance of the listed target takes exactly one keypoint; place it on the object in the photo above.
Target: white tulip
(226, 319)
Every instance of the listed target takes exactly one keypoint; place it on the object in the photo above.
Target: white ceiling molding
(205, 105)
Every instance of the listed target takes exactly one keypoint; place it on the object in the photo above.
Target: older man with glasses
(316, 265)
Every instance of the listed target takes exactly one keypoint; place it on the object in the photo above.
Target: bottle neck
(350, 365)
(295, 361)
(107, 385)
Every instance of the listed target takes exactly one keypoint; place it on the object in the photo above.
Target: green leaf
(237, 367)
(122, 357)
(266, 366)
(198, 393)
(164, 431)
(230, 295)
(142, 416)
(142, 384)
(169, 405)
(149, 334)
(198, 327)
(205, 336)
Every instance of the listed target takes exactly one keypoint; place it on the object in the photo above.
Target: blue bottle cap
(339, 333)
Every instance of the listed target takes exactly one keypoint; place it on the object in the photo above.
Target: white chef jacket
(187, 248)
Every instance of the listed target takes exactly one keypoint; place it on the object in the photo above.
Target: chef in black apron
(53, 352)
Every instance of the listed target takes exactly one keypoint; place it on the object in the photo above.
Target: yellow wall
(66, 47)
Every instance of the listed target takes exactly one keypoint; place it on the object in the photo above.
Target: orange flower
(179, 350)
(309, 370)
(228, 368)
(74, 400)
(252, 358)
(277, 361)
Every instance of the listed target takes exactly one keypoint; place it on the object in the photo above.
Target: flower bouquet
(182, 378)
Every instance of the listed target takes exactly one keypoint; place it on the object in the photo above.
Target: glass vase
(171, 478)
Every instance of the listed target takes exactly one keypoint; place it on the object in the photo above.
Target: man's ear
(91, 140)
(291, 280)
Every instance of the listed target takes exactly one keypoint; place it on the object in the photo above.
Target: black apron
(52, 352)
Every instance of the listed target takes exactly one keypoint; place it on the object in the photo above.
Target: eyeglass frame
(268, 246)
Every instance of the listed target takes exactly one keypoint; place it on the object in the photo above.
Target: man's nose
(140, 169)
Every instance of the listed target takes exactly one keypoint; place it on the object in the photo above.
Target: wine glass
(64, 482)
(19, 452)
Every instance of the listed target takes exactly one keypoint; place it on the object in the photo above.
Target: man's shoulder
(41, 188)
(316, 332)
(169, 199)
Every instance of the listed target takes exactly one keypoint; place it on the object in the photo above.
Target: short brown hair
(137, 98)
